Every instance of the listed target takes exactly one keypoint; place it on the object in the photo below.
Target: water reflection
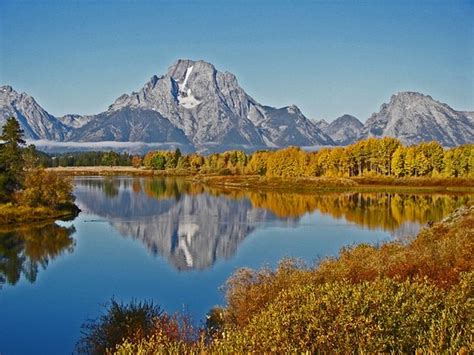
(23, 251)
(193, 226)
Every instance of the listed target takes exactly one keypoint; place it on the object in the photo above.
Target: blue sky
(327, 57)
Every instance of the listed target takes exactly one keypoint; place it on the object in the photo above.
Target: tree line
(370, 157)
(366, 158)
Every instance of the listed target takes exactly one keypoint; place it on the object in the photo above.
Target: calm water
(175, 243)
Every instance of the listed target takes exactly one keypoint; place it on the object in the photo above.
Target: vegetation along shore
(29, 193)
(377, 163)
(410, 296)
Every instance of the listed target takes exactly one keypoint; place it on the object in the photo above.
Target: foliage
(90, 159)
(132, 322)
(32, 193)
(373, 157)
(137, 161)
(412, 297)
(382, 316)
(11, 158)
(439, 253)
(119, 322)
(46, 188)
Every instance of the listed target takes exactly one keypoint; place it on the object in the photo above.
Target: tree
(46, 188)
(136, 161)
(110, 158)
(398, 162)
(30, 157)
(11, 158)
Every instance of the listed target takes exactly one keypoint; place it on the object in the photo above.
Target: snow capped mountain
(413, 117)
(213, 110)
(34, 120)
(197, 107)
(193, 104)
(343, 130)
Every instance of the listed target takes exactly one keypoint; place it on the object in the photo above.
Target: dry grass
(12, 214)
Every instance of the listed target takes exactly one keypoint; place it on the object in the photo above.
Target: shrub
(120, 322)
(46, 188)
(380, 316)
(133, 322)
(398, 298)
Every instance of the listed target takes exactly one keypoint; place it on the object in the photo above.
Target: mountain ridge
(195, 106)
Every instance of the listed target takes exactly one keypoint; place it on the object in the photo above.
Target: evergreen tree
(11, 158)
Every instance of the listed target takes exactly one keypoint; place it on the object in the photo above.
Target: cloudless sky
(327, 57)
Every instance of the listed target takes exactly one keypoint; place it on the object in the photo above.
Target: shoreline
(299, 184)
(13, 216)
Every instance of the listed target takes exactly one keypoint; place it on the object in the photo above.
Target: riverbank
(303, 184)
(410, 296)
(11, 215)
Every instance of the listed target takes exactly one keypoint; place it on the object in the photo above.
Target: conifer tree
(11, 158)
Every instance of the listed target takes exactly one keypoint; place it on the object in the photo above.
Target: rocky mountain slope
(212, 109)
(343, 130)
(196, 107)
(35, 121)
(413, 117)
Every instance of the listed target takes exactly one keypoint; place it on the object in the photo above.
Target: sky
(327, 57)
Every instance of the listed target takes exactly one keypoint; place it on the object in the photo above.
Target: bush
(133, 322)
(379, 316)
(120, 322)
(46, 188)
(398, 298)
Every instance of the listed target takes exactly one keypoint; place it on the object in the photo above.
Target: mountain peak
(6, 89)
(406, 96)
(182, 67)
(293, 109)
(348, 118)
(343, 130)
(413, 117)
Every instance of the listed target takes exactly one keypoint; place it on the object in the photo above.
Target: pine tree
(11, 158)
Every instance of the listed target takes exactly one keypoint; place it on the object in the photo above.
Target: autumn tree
(137, 161)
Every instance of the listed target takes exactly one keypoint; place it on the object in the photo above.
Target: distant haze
(326, 57)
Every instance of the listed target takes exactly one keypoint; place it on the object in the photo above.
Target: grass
(11, 214)
(303, 184)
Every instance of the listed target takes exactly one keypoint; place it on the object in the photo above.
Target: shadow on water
(26, 250)
(193, 226)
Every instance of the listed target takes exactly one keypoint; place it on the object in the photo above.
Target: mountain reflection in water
(193, 226)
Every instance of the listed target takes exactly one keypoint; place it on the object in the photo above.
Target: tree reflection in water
(193, 225)
(24, 250)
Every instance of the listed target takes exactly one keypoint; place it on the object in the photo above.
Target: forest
(367, 158)
(371, 157)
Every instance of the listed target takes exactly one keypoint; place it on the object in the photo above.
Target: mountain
(413, 117)
(35, 121)
(343, 130)
(212, 110)
(192, 105)
(196, 107)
